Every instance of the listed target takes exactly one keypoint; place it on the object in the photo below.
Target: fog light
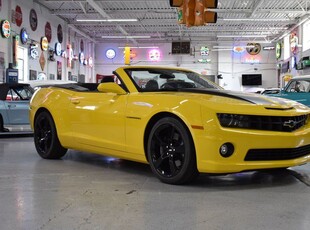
(227, 149)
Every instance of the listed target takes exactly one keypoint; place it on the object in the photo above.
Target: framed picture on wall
(59, 70)
(32, 75)
(2, 67)
(52, 76)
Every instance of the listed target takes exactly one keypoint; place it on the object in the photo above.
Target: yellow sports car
(173, 119)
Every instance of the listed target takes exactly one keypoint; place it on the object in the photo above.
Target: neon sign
(154, 55)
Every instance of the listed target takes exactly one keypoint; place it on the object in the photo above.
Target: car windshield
(298, 86)
(168, 79)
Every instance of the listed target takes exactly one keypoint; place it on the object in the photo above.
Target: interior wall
(44, 16)
(228, 63)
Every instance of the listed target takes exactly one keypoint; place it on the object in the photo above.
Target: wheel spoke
(159, 140)
(158, 162)
(173, 168)
(172, 133)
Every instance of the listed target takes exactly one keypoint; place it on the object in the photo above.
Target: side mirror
(110, 87)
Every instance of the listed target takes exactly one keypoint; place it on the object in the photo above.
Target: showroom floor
(87, 191)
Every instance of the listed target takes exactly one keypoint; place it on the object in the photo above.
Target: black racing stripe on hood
(220, 93)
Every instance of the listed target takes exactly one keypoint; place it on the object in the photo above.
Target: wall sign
(33, 20)
(82, 46)
(253, 48)
(57, 48)
(51, 53)
(23, 36)
(238, 49)
(33, 51)
(42, 61)
(278, 50)
(90, 62)
(59, 33)
(204, 51)
(110, 53)
(59, 70)
(48, 31)
(18, 16)
(154, 55)
(294, 42)
(15, 50)
(5, 29)
(293, 62)
(81, 57)
(44, 44)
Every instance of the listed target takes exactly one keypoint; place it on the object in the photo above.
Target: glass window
(306, 36)
(155, 79)
(287, 48)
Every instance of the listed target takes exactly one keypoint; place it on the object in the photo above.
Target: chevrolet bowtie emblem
(290, 123)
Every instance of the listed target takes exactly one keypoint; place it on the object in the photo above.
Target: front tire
(45, 137)
(171, 152)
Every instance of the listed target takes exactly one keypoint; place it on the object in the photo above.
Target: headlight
(234, 120)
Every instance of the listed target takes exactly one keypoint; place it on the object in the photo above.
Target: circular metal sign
(59, 33)
(44, 43)
(48, 31)
(18, 16)
(110, 53)
(24, 36)
(255, 48)
(278, 50)
(33, 20)
(5, 29)
(58, 49)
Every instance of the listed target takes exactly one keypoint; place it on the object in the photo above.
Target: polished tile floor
(88, 191)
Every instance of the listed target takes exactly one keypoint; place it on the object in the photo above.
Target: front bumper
(208, 143)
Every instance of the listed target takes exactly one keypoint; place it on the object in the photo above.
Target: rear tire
(171, 152)
(45, 137)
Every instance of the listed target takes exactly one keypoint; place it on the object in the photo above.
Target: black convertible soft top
(5, 87)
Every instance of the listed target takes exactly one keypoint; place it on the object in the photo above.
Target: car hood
(268, 102)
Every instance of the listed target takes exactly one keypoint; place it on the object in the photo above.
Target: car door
(17, 109)
(297, 90)
(98, 119)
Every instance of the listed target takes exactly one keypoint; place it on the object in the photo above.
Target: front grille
(277, 154)
(270, 123)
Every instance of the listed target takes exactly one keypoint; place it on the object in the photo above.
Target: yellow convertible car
(173, 119)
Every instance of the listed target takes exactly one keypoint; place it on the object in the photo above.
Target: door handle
(75, 101)
(11, 106)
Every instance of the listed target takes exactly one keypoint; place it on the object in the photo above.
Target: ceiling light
(126, 36)
(107, 20)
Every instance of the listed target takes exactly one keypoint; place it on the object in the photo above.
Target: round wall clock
(33, 19)
(24, 36)
(110, 53)
(5, 29)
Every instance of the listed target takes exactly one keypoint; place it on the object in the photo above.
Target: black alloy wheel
(171, 152)
(45, 137)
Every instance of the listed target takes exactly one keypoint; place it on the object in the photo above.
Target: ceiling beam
(257, 4)
(105, 15)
